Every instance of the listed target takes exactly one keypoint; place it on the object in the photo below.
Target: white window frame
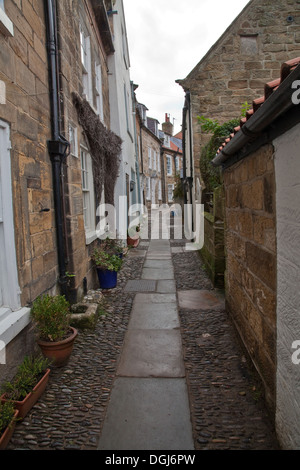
(99, 92)
(73, 139)
(85, 54)
(172, 187)
(13, 318)
(169, 165)
(177, 164)
(154, 160)
(88, 196)
(150, 158)
(148, 188)
(159, 190)
(6, 25)
(158, 162)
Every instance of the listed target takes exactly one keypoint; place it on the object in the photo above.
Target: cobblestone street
(227, 411)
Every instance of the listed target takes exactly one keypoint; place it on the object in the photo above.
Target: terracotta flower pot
(6, 436)
(25, 405)
(59, 351)
(133, 241)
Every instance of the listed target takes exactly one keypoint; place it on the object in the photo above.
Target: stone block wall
(236, 68)
(250, 242)
(24, 71)
(213, 253)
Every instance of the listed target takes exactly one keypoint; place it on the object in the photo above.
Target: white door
(9, 288)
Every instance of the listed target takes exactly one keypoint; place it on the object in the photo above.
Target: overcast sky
(167, 39)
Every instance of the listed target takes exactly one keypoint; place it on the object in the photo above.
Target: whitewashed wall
(119, 76)
(287, 168)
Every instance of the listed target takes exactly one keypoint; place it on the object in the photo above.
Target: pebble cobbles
(226, 410)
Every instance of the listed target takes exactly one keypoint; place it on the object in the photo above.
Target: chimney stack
(167, 126)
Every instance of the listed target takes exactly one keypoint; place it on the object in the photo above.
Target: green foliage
(28, 375)
(245, 107)
(113, 246)
(211, 175)
(178, 192)
(7, 412)
(106, 260)
(209, 126)
(51, 315)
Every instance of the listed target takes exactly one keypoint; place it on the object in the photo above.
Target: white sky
(167, 39)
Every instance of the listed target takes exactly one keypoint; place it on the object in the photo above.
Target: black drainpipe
(58, 146)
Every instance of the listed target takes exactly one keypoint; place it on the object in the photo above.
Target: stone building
(237, 66)
(55, 113)
(232, 73)
(261, 170)
(151, 168)
(172, 159)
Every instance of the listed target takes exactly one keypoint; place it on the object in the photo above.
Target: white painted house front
(122, 119)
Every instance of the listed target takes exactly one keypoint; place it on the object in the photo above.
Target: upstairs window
(150, 158)
(169, 166)
(6, 26)
(98, 90)
(85, 52)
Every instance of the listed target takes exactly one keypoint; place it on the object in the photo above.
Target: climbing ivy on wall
(210, 174)
(105, 147)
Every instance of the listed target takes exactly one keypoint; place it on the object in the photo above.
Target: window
(177, 164)
(154, 160)
(148, 195)
(126, 99)
(166, 140)
(6, 26)
(158, 162)
(98, 90)
(170, 192)
(169, 166)
(88, 193)
(85, 50)
(150, 158)
(73, 140)
(159, 191)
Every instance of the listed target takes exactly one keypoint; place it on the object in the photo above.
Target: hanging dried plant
(105, 147)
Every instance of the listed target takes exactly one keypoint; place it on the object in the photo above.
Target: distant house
(59, 157)
(261, 170)
(172, 159)
(150, 158)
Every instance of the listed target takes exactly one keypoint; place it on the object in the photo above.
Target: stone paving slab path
(149, 407)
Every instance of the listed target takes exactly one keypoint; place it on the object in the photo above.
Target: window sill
(12, 323)
(6, 26)
(90, 237)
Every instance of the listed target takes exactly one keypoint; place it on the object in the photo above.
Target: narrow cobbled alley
(224, 397)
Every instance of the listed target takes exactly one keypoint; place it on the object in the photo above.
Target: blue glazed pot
(107, 279)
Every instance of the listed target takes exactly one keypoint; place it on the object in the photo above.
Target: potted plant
(8, 418)
(133, 237)
(113, 246)
(107, 264)
(51, 315)
(28, 384)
